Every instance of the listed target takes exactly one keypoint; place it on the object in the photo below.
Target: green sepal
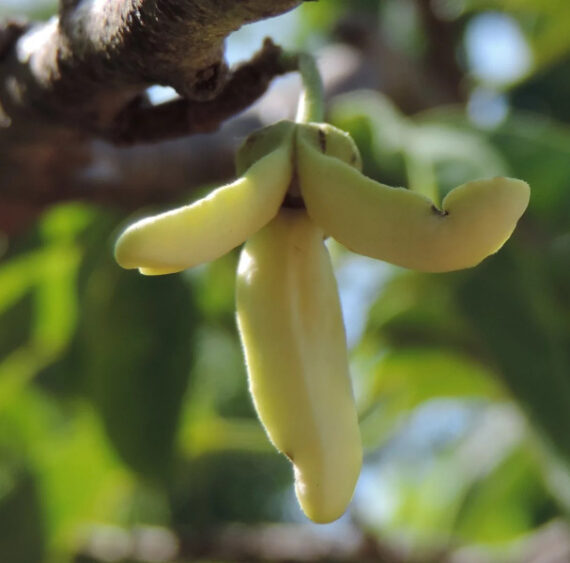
(262, 142)
(330, 141)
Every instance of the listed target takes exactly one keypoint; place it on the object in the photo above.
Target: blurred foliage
(123, 399)
(229, 486)
(545, 25)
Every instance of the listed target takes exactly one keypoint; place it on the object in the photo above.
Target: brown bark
(68, 84)
(85, 66)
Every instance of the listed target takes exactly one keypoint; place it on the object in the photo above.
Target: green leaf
(510, 303)
(135, 347)
(418, 309)
(21, 527)
(403, 378)
(214, 284)
(220, 378)
(538, 150)
(437, 156)
(230, 486)
(426, 373)
(511, 501)
(132, 349)
(78, 478)
(17, 277)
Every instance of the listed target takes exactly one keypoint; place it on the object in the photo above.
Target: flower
(298, 183)
(318, 166)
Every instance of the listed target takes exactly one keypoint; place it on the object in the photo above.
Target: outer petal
(207, 229)
(292, 331)
(403, 227)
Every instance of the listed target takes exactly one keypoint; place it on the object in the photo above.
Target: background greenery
(126, 429)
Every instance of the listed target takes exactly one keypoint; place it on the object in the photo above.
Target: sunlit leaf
(511, 501)
(404, 378)
(437, 156)
(78, 479)
(425, 373)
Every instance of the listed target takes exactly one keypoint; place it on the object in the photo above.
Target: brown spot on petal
(322, 141)
(439, 212)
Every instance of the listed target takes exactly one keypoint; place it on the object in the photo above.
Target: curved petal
(291, 327)
(404, 227)
(207, 229)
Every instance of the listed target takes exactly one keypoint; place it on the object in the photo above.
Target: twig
(88, 65)
(139, 123)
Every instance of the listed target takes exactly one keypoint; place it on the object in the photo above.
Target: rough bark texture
(87, 64)
(81, 77)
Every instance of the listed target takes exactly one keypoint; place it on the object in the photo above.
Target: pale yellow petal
(403, 227)
(210, 227)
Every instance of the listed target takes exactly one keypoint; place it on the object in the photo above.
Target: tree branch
(86, 66)
(280, 543)
(83, 76)
(144, 123)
